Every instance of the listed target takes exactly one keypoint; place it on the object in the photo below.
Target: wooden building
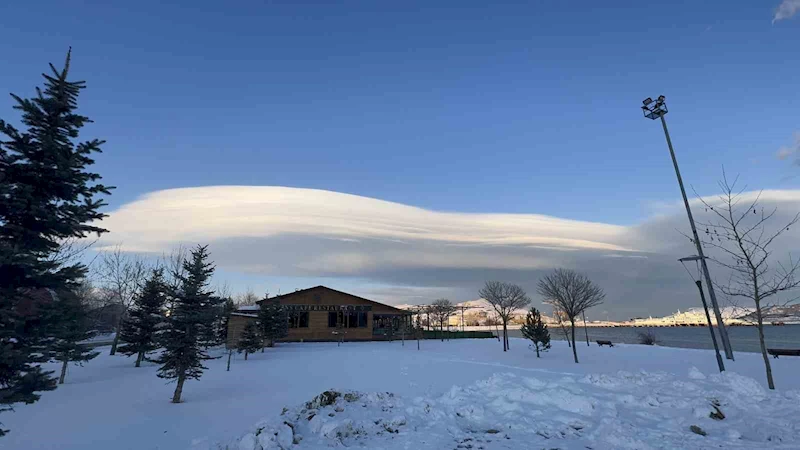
(324, 314)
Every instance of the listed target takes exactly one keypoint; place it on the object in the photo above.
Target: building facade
(324, 314)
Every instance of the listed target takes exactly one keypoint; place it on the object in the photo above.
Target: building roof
(248, 308)
(290, 294)
(244, 315)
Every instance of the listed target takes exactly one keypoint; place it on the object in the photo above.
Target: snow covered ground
(464, 394)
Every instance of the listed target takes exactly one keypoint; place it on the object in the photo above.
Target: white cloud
(158, 220)
(786, 10)
(786, 152)
(279, 231)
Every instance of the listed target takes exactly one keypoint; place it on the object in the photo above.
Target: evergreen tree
(536, 330)
(274, 321)
(250, 341)
(47, 195)
(69, 326)
(227, 308)
(144, 319)
(188, 324)
(210, 334)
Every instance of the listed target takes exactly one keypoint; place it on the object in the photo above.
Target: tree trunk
(176, 397)
(574, 350)
(118, 328)
(245, 355)
(230, 352)
(63, 369)
(505, 336)
(764, 354)
(139, 358)
(536, 346)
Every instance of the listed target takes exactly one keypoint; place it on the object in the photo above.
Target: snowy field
(463, 394)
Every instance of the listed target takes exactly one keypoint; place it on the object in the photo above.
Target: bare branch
(570, 292)
(744, 243)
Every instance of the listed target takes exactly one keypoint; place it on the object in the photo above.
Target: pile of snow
(641, 410)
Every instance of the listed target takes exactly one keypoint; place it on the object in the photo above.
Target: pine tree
(70, 326)
(250, 341)
(144, 319)
(536, 330)
(227, 308)
(274, 321)
(210, 335)
(188, 324)
(47, 195)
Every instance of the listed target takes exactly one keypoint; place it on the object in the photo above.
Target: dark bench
(775, 352)
(602, 343)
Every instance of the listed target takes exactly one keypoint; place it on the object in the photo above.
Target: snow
(99, 339)
(246, 308)
(458, 394)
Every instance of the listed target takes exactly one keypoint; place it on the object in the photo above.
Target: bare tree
(224, 290)
(247, 298)
(70, 251)
(740, 232)
(89, 295)
(174, 272)
(571, 293)
(505, 298)
(561, 320)
(441, 310)
(122, 275)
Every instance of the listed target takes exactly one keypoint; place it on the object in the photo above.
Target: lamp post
(657, 109)
(699, 284)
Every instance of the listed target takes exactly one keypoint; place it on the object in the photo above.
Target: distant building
(324, 314)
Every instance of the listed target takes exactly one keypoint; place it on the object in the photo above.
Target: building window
(298, 319)
(350, 319)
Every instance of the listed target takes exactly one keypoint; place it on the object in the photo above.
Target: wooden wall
(236, 324)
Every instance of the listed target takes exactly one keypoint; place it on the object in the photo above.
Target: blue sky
(529, 107)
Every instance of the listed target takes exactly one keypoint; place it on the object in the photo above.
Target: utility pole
(658, 111)
(720, 363)
(699, 285)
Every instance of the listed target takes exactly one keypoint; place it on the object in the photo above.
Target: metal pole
(723, 333)
(585, 329)
(710, 327)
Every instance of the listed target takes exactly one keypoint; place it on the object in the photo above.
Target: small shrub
(648, 338)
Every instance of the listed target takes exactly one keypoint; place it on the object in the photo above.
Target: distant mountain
(783, 314)
(731, 315)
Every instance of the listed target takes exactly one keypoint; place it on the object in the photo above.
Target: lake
(743, 339)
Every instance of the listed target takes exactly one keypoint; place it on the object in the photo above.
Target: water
(743, 339)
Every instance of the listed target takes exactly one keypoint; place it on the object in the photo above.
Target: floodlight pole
(720, 363)
(723, 333)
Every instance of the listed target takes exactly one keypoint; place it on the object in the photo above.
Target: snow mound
(612, 411)
(695, 374)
